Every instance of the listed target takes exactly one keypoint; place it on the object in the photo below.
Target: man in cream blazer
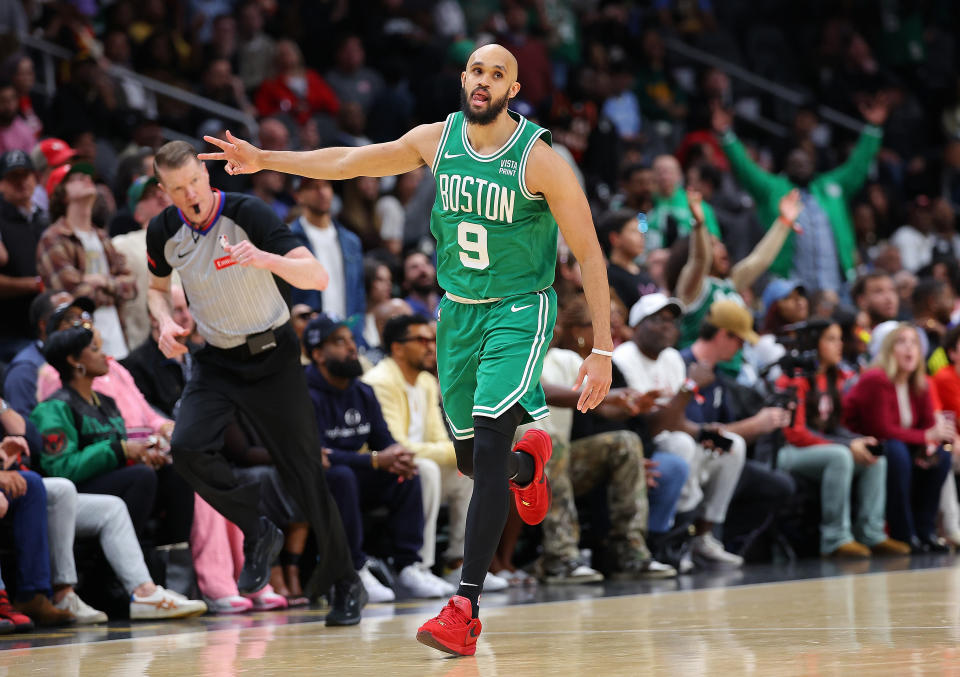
(409, 396)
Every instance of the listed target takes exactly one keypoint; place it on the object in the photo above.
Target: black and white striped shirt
(228, 302)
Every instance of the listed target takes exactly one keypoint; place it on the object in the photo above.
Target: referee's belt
(254, 344)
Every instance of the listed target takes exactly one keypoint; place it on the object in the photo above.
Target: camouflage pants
(575, 469)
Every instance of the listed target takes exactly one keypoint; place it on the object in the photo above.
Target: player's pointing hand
(242, 157)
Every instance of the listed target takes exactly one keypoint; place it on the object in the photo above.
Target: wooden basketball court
(884, 623)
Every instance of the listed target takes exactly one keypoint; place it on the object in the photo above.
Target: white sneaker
(377, 591)
(654, 569)
(232, 604)
(705, 546)
(686, 563)
(491, 582)
(420, 583)
(516, 579)
(449, 590)
(84, 613)
(165, 604)
(572, 573)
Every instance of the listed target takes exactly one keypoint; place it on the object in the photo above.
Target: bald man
(502, 191)
(383, 312)
(671, 217)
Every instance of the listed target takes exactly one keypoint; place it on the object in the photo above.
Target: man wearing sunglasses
(409, 396)
(350, 420)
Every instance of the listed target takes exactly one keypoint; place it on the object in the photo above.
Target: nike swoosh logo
(180, 256)
(447, 156)
(514, 308)
(474, 633)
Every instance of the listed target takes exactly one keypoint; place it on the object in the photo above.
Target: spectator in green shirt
(671, 217)
(825, 257)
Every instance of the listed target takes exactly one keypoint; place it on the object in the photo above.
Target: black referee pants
(271, 391)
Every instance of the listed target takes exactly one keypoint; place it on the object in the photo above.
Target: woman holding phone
(820, 449)
(86, 441)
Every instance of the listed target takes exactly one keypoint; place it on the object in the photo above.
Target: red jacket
(947, 382)
(799, 434)
(870, 408)
(274, 96)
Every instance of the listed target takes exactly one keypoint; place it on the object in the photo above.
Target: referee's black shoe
(347, 599)
(258, 555)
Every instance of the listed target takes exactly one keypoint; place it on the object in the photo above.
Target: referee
(227, 248)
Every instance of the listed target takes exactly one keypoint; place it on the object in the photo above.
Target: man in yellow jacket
(409, 396)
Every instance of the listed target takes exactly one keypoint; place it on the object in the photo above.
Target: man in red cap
(47, 156)
(76, 256)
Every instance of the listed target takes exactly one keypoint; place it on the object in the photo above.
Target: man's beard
(348, 368)
(422, 287)
(316, 212)
(486, 117)
(879, 317)
(800, 180)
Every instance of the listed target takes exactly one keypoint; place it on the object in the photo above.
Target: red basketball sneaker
(533, 500)
(454, 630)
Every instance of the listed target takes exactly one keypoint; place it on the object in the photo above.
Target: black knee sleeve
(464, 452)
(505, 424)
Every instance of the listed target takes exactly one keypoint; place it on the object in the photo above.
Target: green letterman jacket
(80, 440)
(832, 190)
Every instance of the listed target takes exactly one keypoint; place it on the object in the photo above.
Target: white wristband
(605, 353)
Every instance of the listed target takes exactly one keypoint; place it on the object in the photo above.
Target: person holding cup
(141, 419)
(85, 440)
(947, 382)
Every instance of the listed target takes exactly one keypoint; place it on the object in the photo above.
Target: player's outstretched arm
(414, 149)
(550, 175)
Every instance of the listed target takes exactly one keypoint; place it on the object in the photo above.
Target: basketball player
(501, 193)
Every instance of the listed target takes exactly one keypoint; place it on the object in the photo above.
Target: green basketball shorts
(490, 356)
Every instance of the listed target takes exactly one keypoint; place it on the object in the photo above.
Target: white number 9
(476, 246)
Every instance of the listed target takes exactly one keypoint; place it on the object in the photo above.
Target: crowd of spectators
(784, 290)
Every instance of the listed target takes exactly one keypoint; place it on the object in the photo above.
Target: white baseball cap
(882, 330)
(651, 304)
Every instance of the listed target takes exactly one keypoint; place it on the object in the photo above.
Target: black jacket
(20, 236)
(161, 380)
(347, 419)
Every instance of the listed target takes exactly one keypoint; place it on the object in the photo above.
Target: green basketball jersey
(714, 289)
(494, 237)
